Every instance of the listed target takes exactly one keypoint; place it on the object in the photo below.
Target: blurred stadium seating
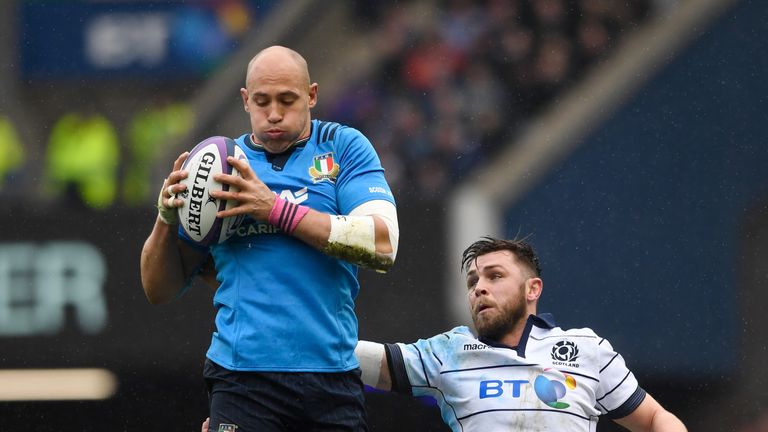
(632, 153)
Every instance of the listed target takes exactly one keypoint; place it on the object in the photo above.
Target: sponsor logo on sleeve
(378, 190)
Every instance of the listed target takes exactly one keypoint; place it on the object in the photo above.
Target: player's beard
(510, 316)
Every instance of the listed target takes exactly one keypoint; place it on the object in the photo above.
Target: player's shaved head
(278, 60)
(278, 97)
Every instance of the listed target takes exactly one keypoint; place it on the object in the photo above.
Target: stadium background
(634, 157)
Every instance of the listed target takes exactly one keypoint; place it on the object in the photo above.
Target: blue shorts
(284, 401)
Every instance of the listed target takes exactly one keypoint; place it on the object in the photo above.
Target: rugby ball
(197, 215)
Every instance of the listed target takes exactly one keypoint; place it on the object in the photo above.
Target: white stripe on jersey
(556, 380)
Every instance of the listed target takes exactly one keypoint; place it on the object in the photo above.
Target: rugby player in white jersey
(520, 372)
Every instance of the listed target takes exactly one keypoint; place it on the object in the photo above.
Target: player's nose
(274, 115)
(480, 289)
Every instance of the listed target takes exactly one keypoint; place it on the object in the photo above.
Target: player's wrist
(286, 215)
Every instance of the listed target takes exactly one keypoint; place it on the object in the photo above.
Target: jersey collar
(544, 320)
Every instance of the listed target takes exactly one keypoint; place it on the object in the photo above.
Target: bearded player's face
(496, 286)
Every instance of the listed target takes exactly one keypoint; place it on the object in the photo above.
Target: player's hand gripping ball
(198, 214)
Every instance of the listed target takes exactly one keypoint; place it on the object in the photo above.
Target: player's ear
(313, 95)
(244, 95)
(533, 288)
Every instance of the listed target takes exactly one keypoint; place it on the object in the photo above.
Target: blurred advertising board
(117, 39)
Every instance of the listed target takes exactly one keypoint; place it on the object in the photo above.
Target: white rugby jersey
(554, 380)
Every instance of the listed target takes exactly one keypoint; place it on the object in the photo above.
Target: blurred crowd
(455, 86)
(91, 162)
(450, 89)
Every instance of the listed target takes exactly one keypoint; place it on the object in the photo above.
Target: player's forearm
(665, 421)
(162, 275)
(650, 416)
(362, 240)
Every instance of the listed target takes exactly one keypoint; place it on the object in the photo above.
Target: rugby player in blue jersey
(520, 372)
(316, 206)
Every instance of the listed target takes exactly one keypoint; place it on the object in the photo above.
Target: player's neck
(512, 338)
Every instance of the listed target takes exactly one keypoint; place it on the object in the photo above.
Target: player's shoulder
(458, 332)
(582, 334)
(337, 134)
(585, 334)
(325, 130)
(456, 336)
(578, 331)
(544, 324)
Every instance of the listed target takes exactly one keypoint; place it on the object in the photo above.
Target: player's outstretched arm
(166, 263)
(373, 364)
(650, 416)
(368, 236)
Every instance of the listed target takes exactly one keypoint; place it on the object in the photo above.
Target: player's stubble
(509, 315)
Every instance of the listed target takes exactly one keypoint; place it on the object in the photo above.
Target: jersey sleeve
(415, 368)
(194, 245)
(361, 177)
(618, 393)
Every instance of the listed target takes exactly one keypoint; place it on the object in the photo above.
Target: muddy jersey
(554, 380)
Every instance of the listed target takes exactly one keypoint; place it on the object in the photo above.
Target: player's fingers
(176, 175)
(235, 182)
(173, 180)
(180, 161)
(174, 202)
(234, 211)
(242, 166)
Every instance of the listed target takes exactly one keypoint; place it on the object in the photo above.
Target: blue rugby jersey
(283, 305)
(555, 380)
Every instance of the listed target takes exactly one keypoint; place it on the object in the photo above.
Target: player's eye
(471, 282)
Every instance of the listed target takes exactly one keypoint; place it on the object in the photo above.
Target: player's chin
(482, 321)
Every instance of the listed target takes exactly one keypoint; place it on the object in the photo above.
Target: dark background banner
(72, 298)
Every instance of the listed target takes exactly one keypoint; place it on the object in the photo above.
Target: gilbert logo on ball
(198, 214)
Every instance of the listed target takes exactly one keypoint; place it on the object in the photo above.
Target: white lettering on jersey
(378, 189)
(296, 198)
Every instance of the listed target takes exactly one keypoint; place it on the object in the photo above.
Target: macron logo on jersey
(297, 197)
(474, 346)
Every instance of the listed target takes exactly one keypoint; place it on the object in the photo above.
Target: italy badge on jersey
(324, 168)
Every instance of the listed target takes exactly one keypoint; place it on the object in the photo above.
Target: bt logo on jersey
(548, 391)
(495, 388)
